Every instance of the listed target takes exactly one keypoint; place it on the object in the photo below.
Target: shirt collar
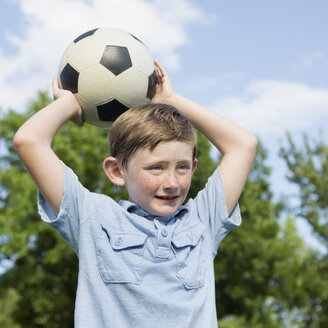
(136, 209)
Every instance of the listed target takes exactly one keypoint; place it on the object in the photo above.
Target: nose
(170, 181)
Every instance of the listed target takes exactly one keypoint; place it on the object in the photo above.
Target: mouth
(167, 198)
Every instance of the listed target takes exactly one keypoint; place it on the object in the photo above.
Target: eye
(155, 167)
(184, 167)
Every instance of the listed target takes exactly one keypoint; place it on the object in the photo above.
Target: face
(159, 180)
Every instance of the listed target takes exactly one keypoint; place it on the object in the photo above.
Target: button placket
(164, 233)
(163, 248)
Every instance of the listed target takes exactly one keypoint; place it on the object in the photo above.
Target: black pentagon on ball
(152, 81)
(84, 35)
(111, 110)
(116, 59)
(69, 78)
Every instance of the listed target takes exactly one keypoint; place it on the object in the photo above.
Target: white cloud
(53, 24)
(270, 108)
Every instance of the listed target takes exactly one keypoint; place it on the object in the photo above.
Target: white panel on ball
(85, 53)
(137, 89)
(102, 89)
(90, 116)
(141, 57)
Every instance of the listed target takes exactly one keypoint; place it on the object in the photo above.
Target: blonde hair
(145, 126)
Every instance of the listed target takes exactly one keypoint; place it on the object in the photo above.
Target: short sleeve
(73, 209)
(212, 209)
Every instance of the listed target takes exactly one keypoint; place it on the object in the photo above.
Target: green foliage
(265, 276)
(205, 167)
(45, 272)
(45, 269)
(8, 304)
(308, 169)
(241, 322)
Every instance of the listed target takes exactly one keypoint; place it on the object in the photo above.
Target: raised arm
(237, 145)
(33, 142)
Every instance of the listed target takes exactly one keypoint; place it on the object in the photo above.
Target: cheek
(147, 183)
(185, 182)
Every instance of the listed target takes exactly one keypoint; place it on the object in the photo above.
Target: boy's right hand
(77, 114)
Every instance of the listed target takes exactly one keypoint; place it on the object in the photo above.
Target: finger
(54, 81)
(55, 86)
(158, 76)
(161, 68)
(160, 73)
(79, 121)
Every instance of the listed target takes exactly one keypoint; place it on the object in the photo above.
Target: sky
(261, 64)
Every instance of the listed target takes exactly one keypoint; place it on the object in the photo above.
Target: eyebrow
(182, 161)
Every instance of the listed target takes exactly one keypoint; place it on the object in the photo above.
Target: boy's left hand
(164, 90)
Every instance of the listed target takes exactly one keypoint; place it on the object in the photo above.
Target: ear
(194, 165)
(114, 171)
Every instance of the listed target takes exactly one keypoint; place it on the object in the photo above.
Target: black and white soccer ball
(109, 71)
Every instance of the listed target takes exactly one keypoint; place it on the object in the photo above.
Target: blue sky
(262, 64)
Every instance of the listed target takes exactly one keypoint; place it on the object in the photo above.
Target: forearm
(223, 134)
(42, 127)
(33, 145)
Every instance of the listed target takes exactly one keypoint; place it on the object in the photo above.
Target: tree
(265, 275)
(44, 272)
(308, 169)
(7, 305)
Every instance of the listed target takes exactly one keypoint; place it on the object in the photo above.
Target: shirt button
(118, 241)
(164, 233)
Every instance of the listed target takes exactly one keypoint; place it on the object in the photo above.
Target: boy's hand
(77, 115)
(164, 91)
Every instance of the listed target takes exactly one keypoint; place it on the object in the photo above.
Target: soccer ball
(109, 71)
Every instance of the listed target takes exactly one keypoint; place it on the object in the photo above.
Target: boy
(146, 262)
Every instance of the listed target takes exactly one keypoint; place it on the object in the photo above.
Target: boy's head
(153, 150)
(144, 127)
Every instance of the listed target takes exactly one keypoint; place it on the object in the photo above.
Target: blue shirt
(138, 270)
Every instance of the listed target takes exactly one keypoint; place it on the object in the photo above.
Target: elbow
(22, 142)
(254, 142)
(18, 141)
(251, 144)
